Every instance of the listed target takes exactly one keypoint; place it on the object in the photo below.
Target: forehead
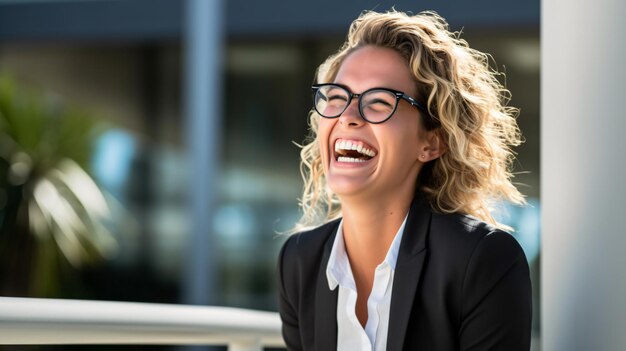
(375, 67)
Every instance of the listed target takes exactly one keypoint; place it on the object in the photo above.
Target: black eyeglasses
(376, 105)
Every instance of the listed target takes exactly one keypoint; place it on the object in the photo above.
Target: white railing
(56, 322)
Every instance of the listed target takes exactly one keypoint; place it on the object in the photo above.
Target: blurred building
(125, 60)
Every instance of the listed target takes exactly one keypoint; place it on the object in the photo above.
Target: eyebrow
(345, 86)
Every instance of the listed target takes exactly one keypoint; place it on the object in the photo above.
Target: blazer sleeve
(496, 307)
(286, 304)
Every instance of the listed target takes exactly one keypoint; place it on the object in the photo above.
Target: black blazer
(459, 284)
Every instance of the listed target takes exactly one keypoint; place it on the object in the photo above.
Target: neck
(369, 226)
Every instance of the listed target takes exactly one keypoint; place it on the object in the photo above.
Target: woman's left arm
(496, 309)
(288, 314)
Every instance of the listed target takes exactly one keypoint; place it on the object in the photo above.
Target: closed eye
(378, 105)
(337, 97)
(379, 101)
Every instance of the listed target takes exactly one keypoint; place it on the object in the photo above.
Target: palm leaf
(46, 146)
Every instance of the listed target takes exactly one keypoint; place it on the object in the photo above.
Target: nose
(351, 116)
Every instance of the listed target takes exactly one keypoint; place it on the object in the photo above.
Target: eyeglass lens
(375, 105)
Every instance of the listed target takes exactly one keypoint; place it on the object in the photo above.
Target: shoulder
(477, 257)
(468, 233)
(303, 245)
(471, 250)
(307, 242)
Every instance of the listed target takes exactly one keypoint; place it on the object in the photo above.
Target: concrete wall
(583, 172)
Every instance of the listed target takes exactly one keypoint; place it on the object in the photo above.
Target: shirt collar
(338, 271)
(338, 264)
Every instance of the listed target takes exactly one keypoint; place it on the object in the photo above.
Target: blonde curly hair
(467, 107)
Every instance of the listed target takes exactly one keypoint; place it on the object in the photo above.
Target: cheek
(406, 138)
(323, 136)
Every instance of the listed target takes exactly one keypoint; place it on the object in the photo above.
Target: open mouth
(353, 151)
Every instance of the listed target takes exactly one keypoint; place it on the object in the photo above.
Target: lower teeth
(349, 159)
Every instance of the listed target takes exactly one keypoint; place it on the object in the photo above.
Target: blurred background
(114, 186)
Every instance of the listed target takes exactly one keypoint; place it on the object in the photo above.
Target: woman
(397, 249)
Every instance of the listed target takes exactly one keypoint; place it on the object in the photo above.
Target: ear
(432, 147)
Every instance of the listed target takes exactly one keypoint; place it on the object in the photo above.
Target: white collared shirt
(350, 333)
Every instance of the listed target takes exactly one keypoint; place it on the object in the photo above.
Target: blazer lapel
(408, 271)
(326, 303)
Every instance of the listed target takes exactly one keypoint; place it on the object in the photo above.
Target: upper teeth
(353, 145)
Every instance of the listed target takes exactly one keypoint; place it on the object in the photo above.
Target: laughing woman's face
(373, 160)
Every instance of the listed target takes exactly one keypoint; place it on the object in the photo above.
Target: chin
(347, 188)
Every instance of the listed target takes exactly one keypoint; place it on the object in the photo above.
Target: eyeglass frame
(398, 94)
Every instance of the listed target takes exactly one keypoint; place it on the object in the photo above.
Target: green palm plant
(52, 214)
